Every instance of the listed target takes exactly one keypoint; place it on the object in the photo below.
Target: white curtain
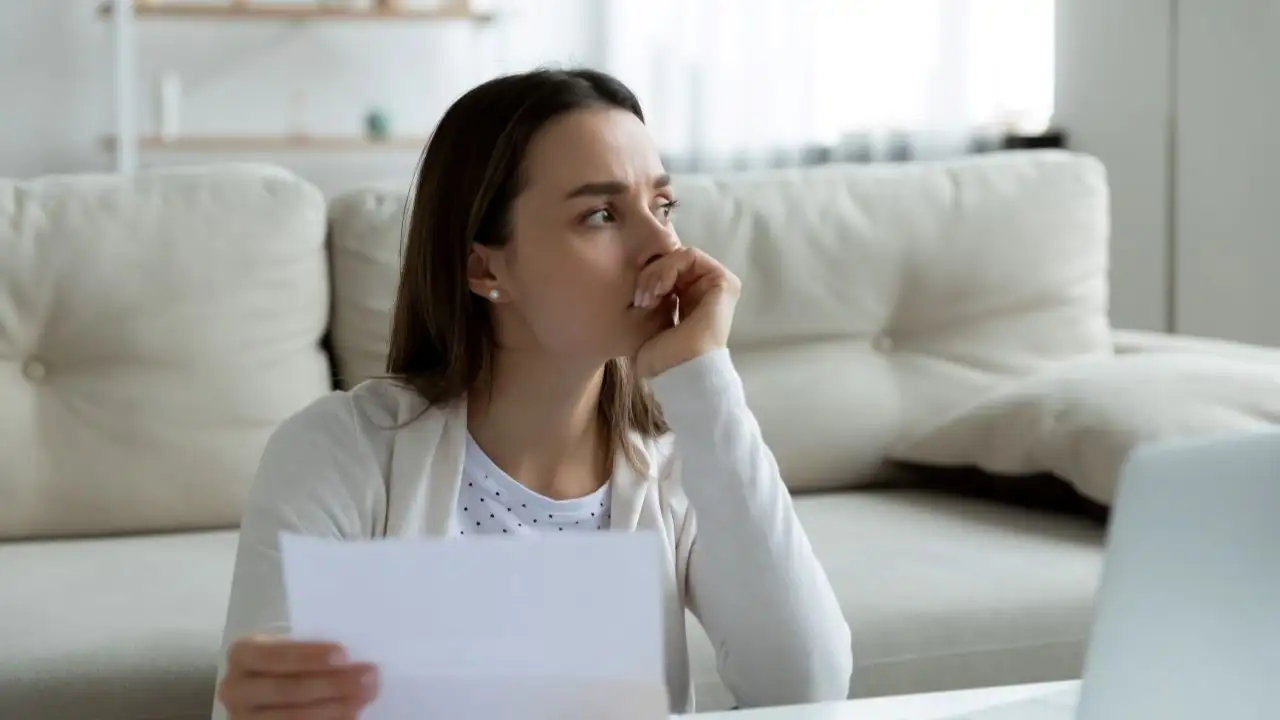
(747, 82)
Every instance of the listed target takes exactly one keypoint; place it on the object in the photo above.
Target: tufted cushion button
(34, 370)
(882, 343)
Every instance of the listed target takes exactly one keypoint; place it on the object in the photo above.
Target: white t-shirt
(492, 502)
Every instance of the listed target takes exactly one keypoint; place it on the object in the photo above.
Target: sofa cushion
(365, 228)
(153, 331)
(877, 298)
(113, 629)
(945, 593)
(1081, 420)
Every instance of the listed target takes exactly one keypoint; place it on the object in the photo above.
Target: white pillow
(155, 328)
(1080, 420)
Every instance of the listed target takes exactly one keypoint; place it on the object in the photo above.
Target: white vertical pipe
(1172, 322)
(125, 79)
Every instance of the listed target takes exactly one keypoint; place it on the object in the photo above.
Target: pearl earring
(493, 294)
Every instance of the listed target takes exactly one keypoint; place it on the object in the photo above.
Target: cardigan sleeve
(752, 578)
(314, 478)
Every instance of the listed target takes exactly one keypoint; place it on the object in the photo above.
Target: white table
(1053, 701)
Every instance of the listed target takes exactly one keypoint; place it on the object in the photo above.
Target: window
(726, 78)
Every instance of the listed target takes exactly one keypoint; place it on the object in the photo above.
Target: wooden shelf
(186, 10)
(277, 143)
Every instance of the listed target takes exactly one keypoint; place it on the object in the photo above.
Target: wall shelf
(128, 142)
(275, 11)
(276, 143)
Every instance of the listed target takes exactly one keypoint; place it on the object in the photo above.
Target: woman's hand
(280, 679)
(702, 295)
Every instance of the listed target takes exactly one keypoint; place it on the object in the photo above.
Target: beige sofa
(154, 329)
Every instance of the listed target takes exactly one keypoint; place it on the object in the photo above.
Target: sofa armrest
(1131, 342)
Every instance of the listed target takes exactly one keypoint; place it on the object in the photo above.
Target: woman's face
(593, 211)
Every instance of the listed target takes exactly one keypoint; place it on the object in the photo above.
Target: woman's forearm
(753, 580)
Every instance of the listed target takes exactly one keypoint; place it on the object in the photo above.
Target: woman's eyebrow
(612, 187)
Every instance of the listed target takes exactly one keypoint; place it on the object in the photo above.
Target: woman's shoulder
(371, 405)
(339, 442)
(357, 421)
(385, 402)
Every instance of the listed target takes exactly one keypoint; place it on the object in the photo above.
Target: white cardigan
(740, 562)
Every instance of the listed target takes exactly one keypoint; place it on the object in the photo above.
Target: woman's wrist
(649, 368)
(709, 375)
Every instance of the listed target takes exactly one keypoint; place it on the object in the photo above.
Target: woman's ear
(481, 277)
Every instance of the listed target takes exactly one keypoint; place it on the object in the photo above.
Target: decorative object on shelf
(377, 125)
(1050, 138)
(170, 101)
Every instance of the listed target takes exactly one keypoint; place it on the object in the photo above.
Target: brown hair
(442, 335)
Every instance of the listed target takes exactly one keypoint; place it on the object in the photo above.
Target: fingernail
(648, 299)
(369, 681)
(636, 301)
(338, 657)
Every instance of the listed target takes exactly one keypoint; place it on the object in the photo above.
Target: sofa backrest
(153, 332)
(155, 329)
(877, 299)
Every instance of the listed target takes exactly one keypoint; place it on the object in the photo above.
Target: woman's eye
(667, 207)
(599, 218)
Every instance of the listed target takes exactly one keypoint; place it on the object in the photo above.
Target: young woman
(559, 357)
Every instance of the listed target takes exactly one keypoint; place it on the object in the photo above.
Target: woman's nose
(659, 240)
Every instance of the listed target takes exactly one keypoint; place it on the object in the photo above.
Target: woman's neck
(538, 420)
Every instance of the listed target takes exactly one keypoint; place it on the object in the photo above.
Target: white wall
(1228, 170)
(55, 76)
(1113, 96)
(1183, 109)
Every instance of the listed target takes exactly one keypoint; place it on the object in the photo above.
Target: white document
(561, 626)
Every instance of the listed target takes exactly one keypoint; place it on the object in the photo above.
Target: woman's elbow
(828, 673)
(813, 670)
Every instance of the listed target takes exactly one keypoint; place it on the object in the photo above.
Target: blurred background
(1177, 98)
(726, 82)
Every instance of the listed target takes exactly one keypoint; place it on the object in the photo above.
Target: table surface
(1058, 700)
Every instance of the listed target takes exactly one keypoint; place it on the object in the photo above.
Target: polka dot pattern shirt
(492, 502)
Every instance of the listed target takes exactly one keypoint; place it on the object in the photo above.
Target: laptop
(1187, 618)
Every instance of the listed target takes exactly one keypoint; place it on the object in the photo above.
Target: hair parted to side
(442, 334)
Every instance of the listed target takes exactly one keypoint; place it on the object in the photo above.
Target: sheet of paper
(557, 626)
